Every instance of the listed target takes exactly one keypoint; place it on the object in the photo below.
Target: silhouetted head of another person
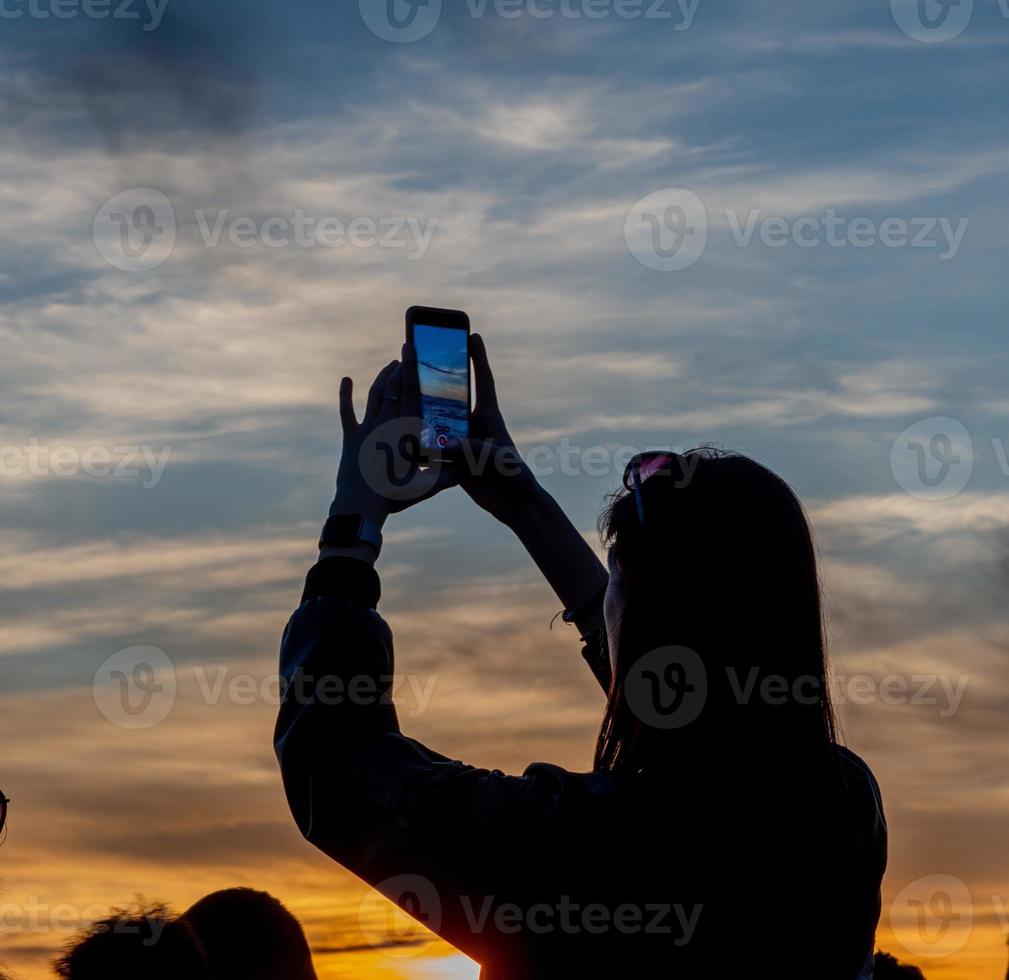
(887, 968)
(711, 553)
(129, 946)
(249, 935)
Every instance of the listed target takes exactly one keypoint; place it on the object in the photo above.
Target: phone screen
(443, 368)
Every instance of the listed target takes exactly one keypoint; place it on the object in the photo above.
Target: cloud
(877, 518)
(527, 145)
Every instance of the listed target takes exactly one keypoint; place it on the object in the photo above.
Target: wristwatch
(348, 530)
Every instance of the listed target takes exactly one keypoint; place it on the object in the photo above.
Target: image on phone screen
(443, 368)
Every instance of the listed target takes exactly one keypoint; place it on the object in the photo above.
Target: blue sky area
(778, 227)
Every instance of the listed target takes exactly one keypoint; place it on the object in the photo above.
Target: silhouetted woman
(722, 833)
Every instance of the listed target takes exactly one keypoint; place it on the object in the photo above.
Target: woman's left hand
(380, 471)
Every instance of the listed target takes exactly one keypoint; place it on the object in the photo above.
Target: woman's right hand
(489, 467)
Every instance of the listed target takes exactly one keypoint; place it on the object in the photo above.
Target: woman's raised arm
(491, 470)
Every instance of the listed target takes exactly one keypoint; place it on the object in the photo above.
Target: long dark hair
(724, 565)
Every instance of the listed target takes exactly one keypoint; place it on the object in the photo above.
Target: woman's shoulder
(864, 806)
(859, 778)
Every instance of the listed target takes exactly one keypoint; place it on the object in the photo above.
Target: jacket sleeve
(446, 841)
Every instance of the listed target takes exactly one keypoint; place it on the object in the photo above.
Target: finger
(347, 417)
(392, 396)
(469, 457)
(486, 392)
(410, 394)
(447, 478)
(377, 391)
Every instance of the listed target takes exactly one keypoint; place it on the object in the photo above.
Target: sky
(775, 227)
(442, 362)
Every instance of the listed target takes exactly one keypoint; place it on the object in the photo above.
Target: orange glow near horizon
(103, 815)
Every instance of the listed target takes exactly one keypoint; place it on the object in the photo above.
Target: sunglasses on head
(646, 465)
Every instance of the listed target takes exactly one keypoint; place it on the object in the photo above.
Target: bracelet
(571, 616)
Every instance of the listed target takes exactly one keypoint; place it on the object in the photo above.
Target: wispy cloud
(527, 145)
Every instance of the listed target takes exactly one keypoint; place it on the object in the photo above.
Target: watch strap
(347, 530)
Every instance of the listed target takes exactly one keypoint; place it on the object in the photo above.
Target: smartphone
(441, 339)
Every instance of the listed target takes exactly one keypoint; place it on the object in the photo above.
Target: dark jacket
(559, 874)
